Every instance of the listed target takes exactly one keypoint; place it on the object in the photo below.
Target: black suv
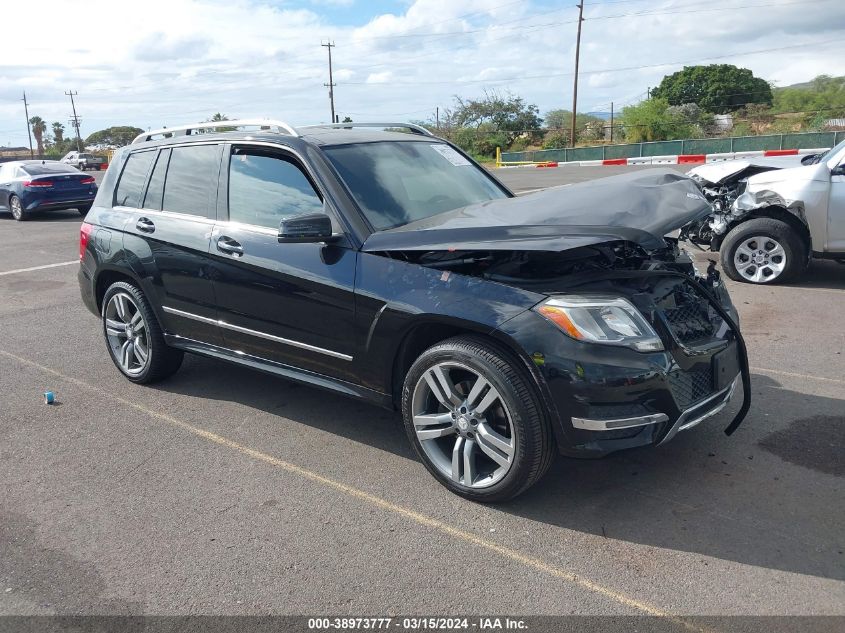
(390, 267)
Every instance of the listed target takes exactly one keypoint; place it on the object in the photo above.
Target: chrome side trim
(684, 422)
(264, 335)
(619, 423)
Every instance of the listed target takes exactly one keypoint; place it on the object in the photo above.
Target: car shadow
(734, 499)
(822, 273)
(66, 215)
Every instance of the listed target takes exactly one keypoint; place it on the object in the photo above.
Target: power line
(607, 70)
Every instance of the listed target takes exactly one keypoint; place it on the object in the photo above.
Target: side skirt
(278, 369)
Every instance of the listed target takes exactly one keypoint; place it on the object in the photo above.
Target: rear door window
(191, 183)
(155, 190)
(129, 189)
(266, 186)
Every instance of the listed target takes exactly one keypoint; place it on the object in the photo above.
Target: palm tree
(58, 132)
(38, 129)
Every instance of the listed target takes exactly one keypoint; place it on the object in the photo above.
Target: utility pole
(28, 129)
(75, 120)
(611, 121)
(437, 117)
(577, 56)
(331, 85)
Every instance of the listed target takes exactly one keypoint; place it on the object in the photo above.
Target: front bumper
(604, 398)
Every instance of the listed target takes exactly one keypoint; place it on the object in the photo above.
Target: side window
(155, 190)
(129, 189)
(265, 186)
(192, 180)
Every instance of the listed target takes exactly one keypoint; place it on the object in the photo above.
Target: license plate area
(725, 367)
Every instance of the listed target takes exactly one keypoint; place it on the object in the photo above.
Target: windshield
(830, 153)
(396, 183)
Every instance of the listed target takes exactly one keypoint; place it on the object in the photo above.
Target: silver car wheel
(126, 333)
(15, 205)
(760, 259)
(463, 425)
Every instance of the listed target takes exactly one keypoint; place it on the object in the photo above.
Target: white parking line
(26, 270)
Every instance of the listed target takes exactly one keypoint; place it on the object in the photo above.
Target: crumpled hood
(718, 173)
(639, 207)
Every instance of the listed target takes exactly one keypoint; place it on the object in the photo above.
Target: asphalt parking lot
(225, 491)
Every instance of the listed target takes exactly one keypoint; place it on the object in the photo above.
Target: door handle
(228, 245)
(145, 225)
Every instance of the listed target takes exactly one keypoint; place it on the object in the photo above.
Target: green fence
(809, 140)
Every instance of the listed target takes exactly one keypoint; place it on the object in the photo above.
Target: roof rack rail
(415, 129)
(193, 128)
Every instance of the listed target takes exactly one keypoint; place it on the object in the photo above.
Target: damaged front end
(632, 342)
(726, 188)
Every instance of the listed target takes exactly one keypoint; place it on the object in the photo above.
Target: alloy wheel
(463, 425)
(15, 205)
(760, 259)
(126, 332)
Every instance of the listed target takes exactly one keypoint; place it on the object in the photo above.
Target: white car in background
(769, 221)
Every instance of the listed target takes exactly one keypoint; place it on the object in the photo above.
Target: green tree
(562, 120)
(116, 136)
(652, 120)
(346, 119)
(505, 117)
(718, 88)
(58, 132)
(38, 129)
(824, 95)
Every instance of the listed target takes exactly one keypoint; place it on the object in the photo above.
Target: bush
(556, 140)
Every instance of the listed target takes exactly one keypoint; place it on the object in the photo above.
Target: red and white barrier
(675, 159)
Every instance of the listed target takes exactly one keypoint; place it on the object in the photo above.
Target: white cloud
(379, 78)
(174, 61)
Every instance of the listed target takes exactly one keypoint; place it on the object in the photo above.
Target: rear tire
(83, 211)
(763, 251)
(16, 208)
(134, 337)
(483, 453)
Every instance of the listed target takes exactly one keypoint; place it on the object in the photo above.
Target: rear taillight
(88, 180)
(35, 184)
(85, 232)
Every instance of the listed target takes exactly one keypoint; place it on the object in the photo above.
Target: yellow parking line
(412, 515)
(778, 372)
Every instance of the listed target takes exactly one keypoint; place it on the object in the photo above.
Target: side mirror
(839, 170)
(308, 227)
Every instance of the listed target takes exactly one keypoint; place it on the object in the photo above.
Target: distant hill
(601, 115)
(814, 84)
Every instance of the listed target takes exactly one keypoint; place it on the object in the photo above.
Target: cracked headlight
(601, 319)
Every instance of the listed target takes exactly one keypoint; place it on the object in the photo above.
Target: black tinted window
(45, 169)
(191, 180)
(128, 192)
(265, 187)
(155, 190)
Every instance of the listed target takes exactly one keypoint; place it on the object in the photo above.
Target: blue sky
(166, 62)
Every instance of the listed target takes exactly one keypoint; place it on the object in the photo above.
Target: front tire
(16, 208)
(134, 337)
(763, 251)
(474, 419)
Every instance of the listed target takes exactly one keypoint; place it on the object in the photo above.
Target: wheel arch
(796, 222)
(105, 277)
